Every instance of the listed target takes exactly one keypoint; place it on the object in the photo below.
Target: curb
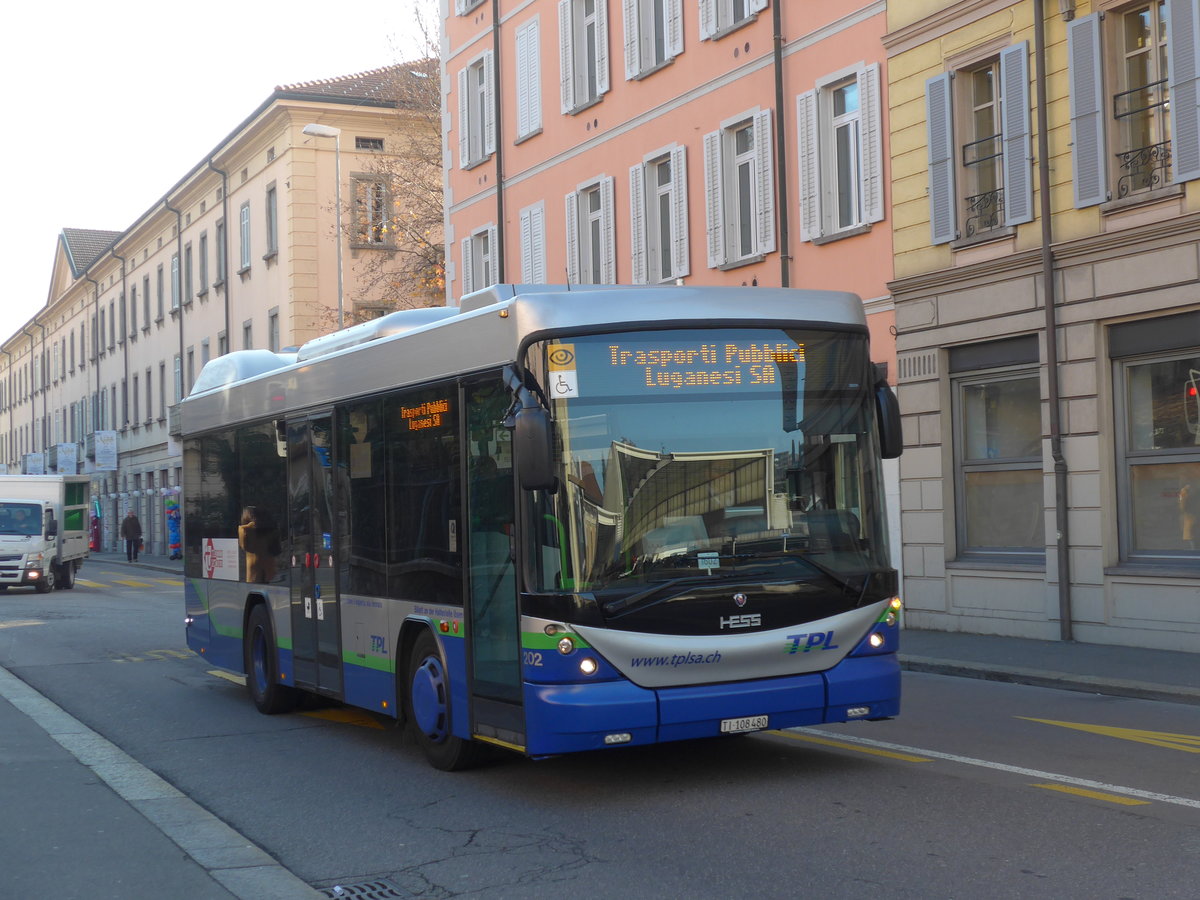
(1091, 684)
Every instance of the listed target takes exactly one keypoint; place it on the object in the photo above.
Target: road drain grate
(376, 889)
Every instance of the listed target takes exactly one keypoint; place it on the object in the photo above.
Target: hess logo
(745, 620)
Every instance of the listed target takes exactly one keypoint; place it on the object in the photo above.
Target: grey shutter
(602, 83)
(872, 143)
(810, 165)
(680, 261)
(1087, 106)
(468, 270)
(714, 199)
(464, 121)
(529, 83)
(758, 5)
(764, 149)
(533, 244)
(1014, 129)
(1183, 70)
(489, 100)
(633, 39)
(637, 222)
(493, 267)
(566, 56)
(573, 238)
(708, 19)
(674, 28)
(608, 230)
(942, 199)
(527, 245)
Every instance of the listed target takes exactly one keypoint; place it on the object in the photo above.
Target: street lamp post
(315, 130)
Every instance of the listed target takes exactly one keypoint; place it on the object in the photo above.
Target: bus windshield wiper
(832, 574)
(623, 603)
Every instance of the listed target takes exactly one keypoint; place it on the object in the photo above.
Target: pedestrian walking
(131, 531)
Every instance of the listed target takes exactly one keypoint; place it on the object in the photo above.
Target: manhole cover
(376, 889)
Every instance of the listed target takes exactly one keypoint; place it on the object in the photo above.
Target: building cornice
(941, 23)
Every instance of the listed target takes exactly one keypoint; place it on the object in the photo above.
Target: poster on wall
(106, 450)
(67, 462)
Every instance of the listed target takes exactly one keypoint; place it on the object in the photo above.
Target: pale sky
(109, 104)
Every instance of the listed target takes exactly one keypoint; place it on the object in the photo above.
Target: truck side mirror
(51, 528)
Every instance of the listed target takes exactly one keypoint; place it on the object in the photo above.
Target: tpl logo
(746, 620)
(818, 640)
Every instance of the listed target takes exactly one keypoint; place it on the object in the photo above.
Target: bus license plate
(749, 723)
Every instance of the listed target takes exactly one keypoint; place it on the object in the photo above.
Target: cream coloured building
(1049, 339)
(240, 253)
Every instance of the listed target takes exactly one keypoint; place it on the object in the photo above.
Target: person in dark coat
(131, 531)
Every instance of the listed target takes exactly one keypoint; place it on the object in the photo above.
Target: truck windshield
(20, 518)
(691, 456)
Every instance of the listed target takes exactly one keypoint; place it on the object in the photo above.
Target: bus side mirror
(533, 448)
(887, 409)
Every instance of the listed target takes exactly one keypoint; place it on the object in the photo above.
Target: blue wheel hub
(429, 698)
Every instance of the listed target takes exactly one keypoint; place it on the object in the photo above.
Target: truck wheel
(429, 710)
(66, 576)
(262, 666)
(46, 583)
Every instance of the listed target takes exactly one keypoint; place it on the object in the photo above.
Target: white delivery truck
(43, 530)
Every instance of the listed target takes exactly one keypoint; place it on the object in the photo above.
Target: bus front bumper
(566, 718)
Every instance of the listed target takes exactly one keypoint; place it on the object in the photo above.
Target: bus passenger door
(316, 635)
(493, 620)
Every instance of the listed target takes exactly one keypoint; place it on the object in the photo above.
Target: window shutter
(1183, 70)
(489, 99)
(766, 181)
(680, 261)
(1014, 129)
(468, 268)
(527, 245)
(602, 83)
(674, 28)
(493, 266)
(714, 200)
(708, 19)
(1087, 106)
(637, 222)
(942, 225)
(608, 227)
(525, 83)
(573, 238)
(566, 56)
(872, 143)
(758, 5)
(633, 39)
(533, 244)
(810, 167)
(464, 122)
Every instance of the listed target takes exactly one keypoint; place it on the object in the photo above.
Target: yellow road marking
(1095, 795)
(168, 581)
(812, 739)
(346, 717)
(1188, 743)
(229, 676)
(132, 583)
(87, 583)
(21, 623)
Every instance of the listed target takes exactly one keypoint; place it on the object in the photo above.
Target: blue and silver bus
(554, 519)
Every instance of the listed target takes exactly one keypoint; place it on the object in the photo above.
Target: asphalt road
(979, 789)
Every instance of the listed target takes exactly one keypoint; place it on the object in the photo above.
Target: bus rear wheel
(429, 710)
(262, 666)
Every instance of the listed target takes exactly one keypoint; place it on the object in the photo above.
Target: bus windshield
(687, 457)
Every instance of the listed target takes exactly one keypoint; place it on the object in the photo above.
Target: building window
(133, 312)
(590, 234)
(162, 390)
(189, 289)
(739, 191)
(997, 415)
(720, 16)
(1157, 405)
(462, 7)
(653, 34)
(533, 244)
(273, 330)
(174, 282)
(221, 253)
(178, 362)
(368, 143)
(272, 221)
(476, 111)
(203, 252)
(371, 221)
(161, 298)
(583, 52)
(841, 155)
(149, 396)
(1131, 139)
(222, 343)
(248, 335)
(205, 353)
(980, 167)
(478, 259)
(529, 79)
(244, 235)
(658, 217)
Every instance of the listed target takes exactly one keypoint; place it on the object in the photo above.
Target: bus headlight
(876, 640)
(588, 666)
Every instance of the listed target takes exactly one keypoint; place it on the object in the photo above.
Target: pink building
(663, 141)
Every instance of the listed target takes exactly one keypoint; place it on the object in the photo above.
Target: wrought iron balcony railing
(1143, 169)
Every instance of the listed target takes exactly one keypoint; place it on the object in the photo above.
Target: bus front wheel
(429, 709)
(262, 665)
